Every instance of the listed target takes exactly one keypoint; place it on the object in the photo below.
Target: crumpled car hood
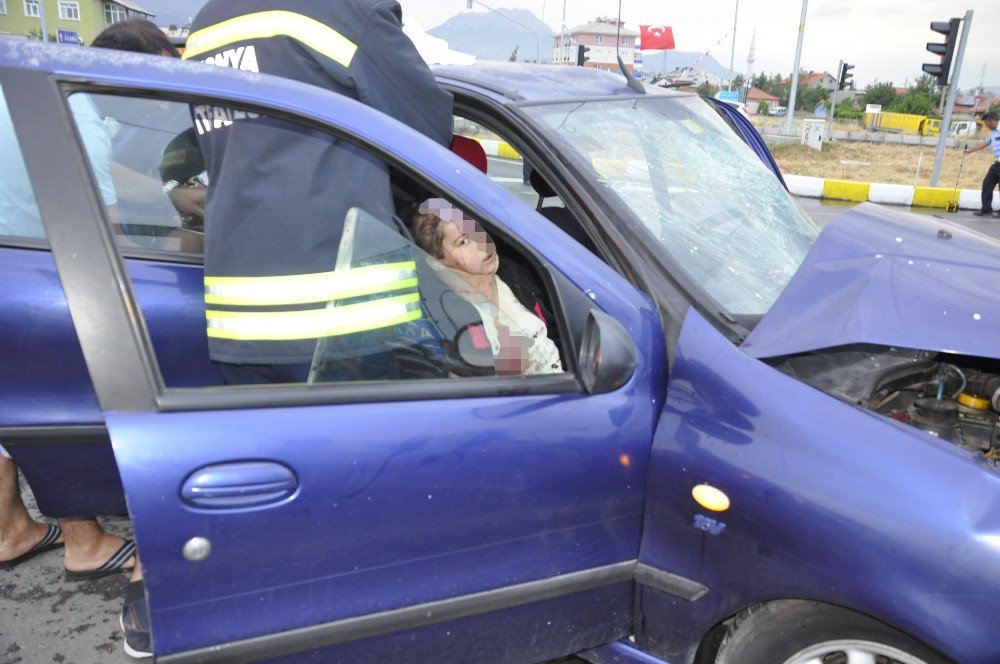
(879, 276)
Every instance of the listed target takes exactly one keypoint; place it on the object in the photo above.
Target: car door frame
(125, 374)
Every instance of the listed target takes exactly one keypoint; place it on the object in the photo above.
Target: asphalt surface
(44, 618)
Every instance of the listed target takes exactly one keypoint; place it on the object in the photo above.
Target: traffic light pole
(833, 102)
(952, 90)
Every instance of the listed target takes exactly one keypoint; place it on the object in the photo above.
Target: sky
(884, 39)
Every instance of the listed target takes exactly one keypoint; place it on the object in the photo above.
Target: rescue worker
(278, 196)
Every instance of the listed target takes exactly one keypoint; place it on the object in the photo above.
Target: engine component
(936, 417)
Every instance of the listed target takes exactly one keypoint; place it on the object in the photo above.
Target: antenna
(631, 80)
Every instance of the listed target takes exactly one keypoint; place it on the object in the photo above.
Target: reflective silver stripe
(314, 323)
(278, 23)
(310, 288)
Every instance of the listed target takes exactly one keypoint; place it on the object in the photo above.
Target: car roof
(533, 83)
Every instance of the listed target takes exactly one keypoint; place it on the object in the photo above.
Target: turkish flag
(656, 37)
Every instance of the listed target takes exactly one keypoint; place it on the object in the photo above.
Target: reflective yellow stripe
(306, 288)
(315, 323)
(278, 23)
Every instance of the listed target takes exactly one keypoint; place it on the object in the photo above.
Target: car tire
(802, 632)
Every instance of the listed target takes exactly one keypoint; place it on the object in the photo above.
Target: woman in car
(466, 258)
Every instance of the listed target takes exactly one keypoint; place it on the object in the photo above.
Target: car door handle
(237, 485)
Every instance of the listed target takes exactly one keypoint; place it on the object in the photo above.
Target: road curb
(498, 149)
(890, 194)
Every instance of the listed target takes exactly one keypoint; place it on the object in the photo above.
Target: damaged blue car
(767, 443)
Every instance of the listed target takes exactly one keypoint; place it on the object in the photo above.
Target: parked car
(768, 444)
(739, 106)
(778, 111)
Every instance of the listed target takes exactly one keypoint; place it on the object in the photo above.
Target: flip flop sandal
(113, 564)
(47, 543)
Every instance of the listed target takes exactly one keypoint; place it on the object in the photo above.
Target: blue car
(766, 443)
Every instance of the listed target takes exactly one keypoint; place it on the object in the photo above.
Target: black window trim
(168, 399)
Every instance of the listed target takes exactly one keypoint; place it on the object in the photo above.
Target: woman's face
(468, 248)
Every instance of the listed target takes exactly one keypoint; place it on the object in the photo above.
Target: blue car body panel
(849, 514)
(878, 276)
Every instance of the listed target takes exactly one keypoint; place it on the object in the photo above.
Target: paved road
(824, 211)
(44, 618)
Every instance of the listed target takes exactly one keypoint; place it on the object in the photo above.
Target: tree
(706, 89)
(882, 94)
(809, 98)
(915, 102)
(928, 85)
(763, 108)
(847, 111)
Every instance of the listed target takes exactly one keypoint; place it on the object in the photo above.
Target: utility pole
(795, 73)
(952, 89)
(41, 15)
(732, 53)
(833, 102)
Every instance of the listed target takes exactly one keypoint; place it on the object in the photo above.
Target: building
(605, 43)
(812, 79)
(756, 97)
(974, 103)
(85, 18)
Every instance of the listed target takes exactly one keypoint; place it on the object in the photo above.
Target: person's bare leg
(137, 570)
(18, 532)
(87, 545)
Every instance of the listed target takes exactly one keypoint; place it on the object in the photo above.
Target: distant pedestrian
(992, 178)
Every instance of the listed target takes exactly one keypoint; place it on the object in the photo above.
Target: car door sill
(411, 617)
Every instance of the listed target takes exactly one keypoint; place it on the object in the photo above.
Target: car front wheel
(801, 632)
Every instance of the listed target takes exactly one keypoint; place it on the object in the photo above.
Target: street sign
(873, 109)
(728, 95)
(68, 37)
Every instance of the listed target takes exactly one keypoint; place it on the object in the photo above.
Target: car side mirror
(608, 357)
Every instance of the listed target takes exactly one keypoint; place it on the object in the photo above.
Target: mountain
(172, 12)
(661, 62)
(490, 36)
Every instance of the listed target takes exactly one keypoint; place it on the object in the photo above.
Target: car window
(411, 285)
(19, 217)
(699, 192)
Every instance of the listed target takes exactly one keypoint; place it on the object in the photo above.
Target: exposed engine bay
(953, 397)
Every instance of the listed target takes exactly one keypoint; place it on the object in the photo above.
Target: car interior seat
(559, 216)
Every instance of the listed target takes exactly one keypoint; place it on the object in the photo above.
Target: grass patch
(883, 163)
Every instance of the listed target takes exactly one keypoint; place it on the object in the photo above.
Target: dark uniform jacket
(278, 194)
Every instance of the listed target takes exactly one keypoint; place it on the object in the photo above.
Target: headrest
(539, 184)
(469, 150)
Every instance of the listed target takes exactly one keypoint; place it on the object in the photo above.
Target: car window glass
(146, 160)
(374, 300)
(697, 189)
(19, 217)
(504, 164)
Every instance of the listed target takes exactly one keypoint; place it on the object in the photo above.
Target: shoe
(47, 543)
(996, 214)
(113, 564)
(134, 621)
(983, 213)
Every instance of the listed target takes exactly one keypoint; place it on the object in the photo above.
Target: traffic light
(942, 69)
(581, 55)
(845, 76)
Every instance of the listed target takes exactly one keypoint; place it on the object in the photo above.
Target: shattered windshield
(697, 189)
